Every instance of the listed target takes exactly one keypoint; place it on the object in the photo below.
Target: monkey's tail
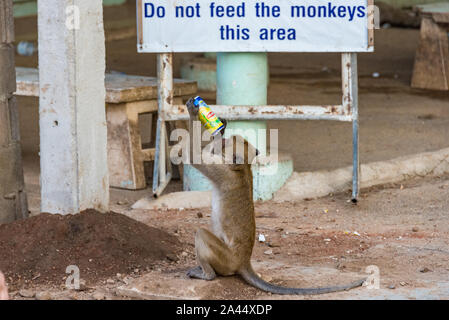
(253, 279)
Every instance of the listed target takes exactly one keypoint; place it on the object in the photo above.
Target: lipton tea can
(208, 117)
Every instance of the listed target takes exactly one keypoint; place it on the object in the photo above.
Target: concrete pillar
(73, 132)
(13, 202)
(242, 80)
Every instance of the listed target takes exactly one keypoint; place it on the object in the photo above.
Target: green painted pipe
(242, 79)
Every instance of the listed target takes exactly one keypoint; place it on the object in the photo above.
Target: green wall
(23, 8)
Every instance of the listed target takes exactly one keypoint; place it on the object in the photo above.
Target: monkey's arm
(209, 170)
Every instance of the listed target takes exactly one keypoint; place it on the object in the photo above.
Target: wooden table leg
(431, 69)
(125, 156)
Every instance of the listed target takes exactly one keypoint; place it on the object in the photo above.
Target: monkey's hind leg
(213, 256)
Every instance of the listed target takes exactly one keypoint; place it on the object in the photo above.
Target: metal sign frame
(166, 47)
(347, 111)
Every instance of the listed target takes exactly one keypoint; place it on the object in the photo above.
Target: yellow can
(208, 117)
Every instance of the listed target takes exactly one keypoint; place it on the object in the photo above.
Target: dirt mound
(101, 245)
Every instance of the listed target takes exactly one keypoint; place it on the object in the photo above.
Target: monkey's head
(238, 152)
(234, 151)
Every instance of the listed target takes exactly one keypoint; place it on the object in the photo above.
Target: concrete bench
(431, 69)
(127, 97)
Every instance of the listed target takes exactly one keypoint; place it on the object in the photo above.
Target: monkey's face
(237, 151)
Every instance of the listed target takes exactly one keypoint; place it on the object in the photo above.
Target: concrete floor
(403, 230)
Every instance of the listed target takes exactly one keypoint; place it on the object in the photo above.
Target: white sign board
(253, 26)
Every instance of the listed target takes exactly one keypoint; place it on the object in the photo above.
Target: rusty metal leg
(351, 104)
(162, 175)
(356, 161)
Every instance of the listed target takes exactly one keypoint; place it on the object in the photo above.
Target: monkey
(3, 288)
(227, 249)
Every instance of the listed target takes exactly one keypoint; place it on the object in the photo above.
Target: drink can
(208, 117)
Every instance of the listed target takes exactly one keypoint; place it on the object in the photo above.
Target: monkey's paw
(193, 111)
(198, 273)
